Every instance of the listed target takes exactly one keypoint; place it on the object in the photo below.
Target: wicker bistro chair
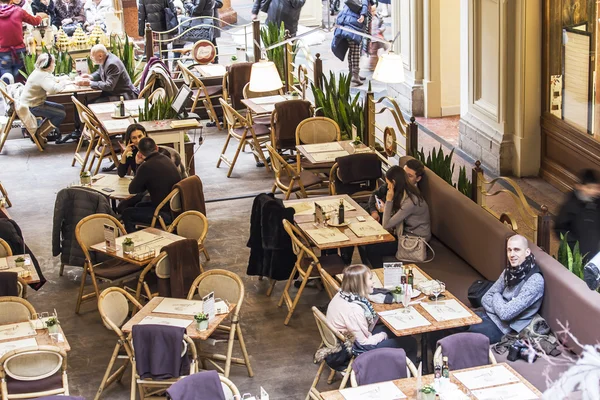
(283, 132)
(4, 193)
(316, 130)
(114, 306)
(192, 225)
(259, 119)
(10, 104)
(383, 356)
(330, 338)
(356, 175)
(5, 250)
(307, 266)
(88, 232)
(15, 309)
(239, 128)
(86, 135)
(289, 179)
(230, 391)
(235, 79)
(104, 146)
(227, 286)
(32, 372)
(202, 93)
(174, 200)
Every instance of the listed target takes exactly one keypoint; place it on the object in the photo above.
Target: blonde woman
(350, 311)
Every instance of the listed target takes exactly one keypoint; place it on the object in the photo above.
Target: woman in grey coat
(286, 11)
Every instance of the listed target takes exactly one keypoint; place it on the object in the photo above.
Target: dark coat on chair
(71, 206)
(349, 19)
(11, 233)
(271, 253)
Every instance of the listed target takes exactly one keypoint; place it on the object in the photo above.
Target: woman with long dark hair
(405, 213)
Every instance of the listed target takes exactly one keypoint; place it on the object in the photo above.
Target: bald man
(112, 77)
(516, 297)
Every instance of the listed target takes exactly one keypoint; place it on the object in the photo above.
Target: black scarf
(515, 275)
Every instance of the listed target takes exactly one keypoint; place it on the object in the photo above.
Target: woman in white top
(41, 83)
(350, 311)
(95, 11)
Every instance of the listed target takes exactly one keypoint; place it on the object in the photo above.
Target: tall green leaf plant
(160, 109)
(439, 163)
(572, 259)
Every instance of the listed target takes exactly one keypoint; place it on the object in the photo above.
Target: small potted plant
(202, 320)
(128, 245)
(427, 392)
(397, 294)
(52, 325)
(19, 262)
(234, 59)
(85, 178)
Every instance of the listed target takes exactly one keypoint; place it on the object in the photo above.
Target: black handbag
(354, 6)
(477, 290)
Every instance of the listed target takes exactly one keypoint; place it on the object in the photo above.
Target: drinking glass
(438, 288)
(406, 296)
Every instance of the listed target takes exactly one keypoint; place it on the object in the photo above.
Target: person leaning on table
(350, 311)
(112, 77)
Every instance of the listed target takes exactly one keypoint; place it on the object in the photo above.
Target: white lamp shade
(389, 69)
(264, 77)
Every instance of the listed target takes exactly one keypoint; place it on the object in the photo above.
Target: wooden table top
(210, 70)
(106, 110)
(346, 146)
(264, 105)
(192, 329)
(71, 87)
(408, 385)
(42, 338)
(33, 276)
(435, 325)
(306, 221)
(120, 186)
(101, 247)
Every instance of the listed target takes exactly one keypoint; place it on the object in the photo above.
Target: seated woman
(45, 7)
(350, 311)
(94, 13)
(129, 156)
(40, 84)
(69, 15)
(405, 213)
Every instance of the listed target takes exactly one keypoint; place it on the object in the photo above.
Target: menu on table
(303, 208)
(446, 310)
(268, 99)
(335, 204)
(322, 147)
(7, 264)
(400, 320)
(179, 306)
(326, 235)
(102, 108)
(116, 124)
(16, 344)
(367, 228)
(329, 156)
(377, 391)
(517, 391)
(155, 320)
(392, 274)
(268, 107)
(15, 331)
(486, 377)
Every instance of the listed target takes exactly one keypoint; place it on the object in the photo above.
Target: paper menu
(392, 274)
(367, 228)
(335, 204)
(268, 99)
(377, 391)
(179, 306)
(518, 391)
(110, 235)
(154, 320)
(116, 124)
(446, 310)
(302, 208)
(400, 320)
(16, 344)
(15, 331)
(486, 377)
(329, 156)
(268, 107)
(208, 305)
(322, 147)
(326, 235)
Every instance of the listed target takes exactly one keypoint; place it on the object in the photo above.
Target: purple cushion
(380, 365)
(16, 386)
(187, 388)
(466, 350)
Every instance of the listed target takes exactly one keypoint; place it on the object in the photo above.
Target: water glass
(406, 296)
(439, 287)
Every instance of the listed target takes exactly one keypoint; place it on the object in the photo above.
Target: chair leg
(297, 297)
(61, 270)
(111, 363)
(205, 253)
(346, 375)
(224, 149)
(244, 351)
(81, 288)
(229, 350)
(235, 157)
(271, 287)
(331, 376)
(310, 394)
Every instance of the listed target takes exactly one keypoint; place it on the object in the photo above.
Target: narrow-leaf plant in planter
(427, 392)
(397, 294)
(52, 325)
(202, 321)
(128, 245)
(19, 262)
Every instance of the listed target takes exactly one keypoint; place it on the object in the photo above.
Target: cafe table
(499, 381)
(171, 318)
(210, 70)
(264, 105)
(323, 154)
(353, 233)
(113, 186)
(28, 272)
(23, 334)
(148, 243)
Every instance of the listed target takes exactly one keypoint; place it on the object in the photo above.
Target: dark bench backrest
(464, 227)
(568, 299)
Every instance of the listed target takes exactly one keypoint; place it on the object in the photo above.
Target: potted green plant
(397, 294)
(202, 320)
(52, 325)
(234, 59)
(19, 262)
(427, 392)
(85, 178)
(128, 245)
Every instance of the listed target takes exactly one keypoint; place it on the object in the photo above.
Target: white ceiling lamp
(264, 77)
(390, 68)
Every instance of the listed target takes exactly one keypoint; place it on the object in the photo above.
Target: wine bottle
(341, 212)
(122, 107)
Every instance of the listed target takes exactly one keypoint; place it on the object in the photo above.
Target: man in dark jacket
(153, 12)
(580, 215)
(157, 175)
(286, 11)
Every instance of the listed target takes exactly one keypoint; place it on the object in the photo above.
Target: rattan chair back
(191, 225)
(317, 130)
(5, 250)
(33, 363)
(15, 309)
(114, 306)
(329, 335)
(90, 231)
(249, 94)
(226, 285)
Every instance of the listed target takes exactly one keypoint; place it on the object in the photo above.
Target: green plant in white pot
(19, 262)
(202, 321)
(128, 245)
(85, 178)
(52, 325)
(427, 392)
(397, 294)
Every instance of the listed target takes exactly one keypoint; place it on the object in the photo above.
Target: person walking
(153, 12)
(353, 16)
(278, 11)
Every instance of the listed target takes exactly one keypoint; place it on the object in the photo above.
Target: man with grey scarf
(512, 302)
